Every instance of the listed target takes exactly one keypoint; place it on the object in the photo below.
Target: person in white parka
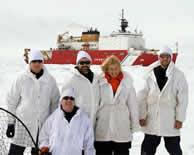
(117, 116)
(85, 84)
(33, 97)
(162, 104)
(68, 131)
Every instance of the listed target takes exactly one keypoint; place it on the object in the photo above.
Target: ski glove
(10, 130)
(45, 151)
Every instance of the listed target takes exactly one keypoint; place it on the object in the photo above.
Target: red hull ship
(128, 46)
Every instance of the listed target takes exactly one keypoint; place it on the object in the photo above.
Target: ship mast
(124, 22)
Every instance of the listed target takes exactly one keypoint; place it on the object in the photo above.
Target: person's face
(84, 65)
(164, 59)
(68, 103)
(113, 70)
(36, 65)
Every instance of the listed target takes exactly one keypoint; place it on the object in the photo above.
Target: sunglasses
(36, 61)
(68, 98)
(84, 62)
(164, 56)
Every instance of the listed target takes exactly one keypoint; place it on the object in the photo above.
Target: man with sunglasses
(68, 131)
(85, 85)
(163, 103)
(34, 95)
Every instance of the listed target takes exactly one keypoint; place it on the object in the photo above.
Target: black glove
(46, 153)
(10, 130)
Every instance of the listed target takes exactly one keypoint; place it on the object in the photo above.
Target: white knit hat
(83, 54)
(35, 55)
(165, 49)
(67, 92)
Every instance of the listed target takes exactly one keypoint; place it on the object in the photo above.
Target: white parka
(117, 116)
(160, 109)
(32, 100)
(64, 138)
(87, 93)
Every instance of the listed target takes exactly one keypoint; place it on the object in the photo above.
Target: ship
(128, 46)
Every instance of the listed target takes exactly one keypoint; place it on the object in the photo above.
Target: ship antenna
(124, 22)
(177, 48)
(122, 13)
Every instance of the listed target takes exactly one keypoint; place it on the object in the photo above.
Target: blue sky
(36, 23)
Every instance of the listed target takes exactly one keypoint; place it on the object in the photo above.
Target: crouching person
(68, 131)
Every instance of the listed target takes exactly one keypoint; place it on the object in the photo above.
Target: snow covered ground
(11, 66)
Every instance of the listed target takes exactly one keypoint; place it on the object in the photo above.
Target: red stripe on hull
(147, 58)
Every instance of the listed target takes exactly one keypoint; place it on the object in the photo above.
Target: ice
(11, 64)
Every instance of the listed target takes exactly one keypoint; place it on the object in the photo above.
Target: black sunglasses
(34, 61)
(164, 56)
(84, 62)
(68, 98)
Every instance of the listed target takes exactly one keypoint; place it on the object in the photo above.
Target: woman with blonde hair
(117, 115)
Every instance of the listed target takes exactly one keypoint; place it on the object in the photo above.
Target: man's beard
(84, 69)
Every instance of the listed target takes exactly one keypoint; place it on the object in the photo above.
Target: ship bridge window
(121, 53)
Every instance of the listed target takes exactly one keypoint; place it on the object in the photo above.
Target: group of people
(97, 114)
